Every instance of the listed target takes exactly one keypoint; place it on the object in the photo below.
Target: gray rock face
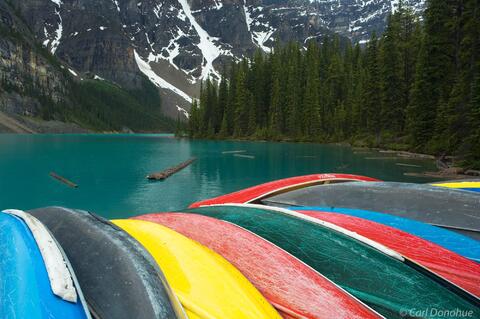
(24, 69)
(119, 40)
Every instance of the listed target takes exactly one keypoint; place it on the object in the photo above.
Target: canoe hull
(296, 290)
(462, 245)
(461, 271)
(453, 209)
(101, 253)
(374, 275)
(473, 186)
(205, 283)
(256, 193)
(24, 277)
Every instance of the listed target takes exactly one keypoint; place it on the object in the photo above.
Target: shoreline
(444, 168)
(22, 125)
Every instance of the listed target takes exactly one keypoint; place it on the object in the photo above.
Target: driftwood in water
(244, 156)
(233, 152)
(407, 165)
(63, 180)
(170, 171)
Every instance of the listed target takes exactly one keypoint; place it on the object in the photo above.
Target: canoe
(453, 209)
(118, 277)
(462, 245)
(36, 280)
(452, 267)
(207, 285)
(473, 186)
(373, 273)
(293, 288)
(262, 191)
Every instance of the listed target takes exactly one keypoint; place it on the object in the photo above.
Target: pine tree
(372, 98)
(222, 101)
(275, 109)
(311, 101)
(391, 78)
(193, 122)
(434, 73)
(241, 104)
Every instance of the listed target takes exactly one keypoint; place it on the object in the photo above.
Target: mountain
(173, 43)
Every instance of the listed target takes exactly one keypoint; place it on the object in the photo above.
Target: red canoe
(293, 288)
(261, 191)
(460, 271)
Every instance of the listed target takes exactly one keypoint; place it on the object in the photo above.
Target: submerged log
(233, 152)
(63, 180)
(244, 156)
(170, 171)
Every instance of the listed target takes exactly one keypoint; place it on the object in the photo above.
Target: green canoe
(379, 278)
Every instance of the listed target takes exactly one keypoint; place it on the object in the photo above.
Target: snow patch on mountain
(183, 111)
(54, 39)
(260, 32)
(115, 2)
(146, 69)
(209, 50)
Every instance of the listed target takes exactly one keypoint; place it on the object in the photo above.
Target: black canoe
(449, 208)
(118, 276)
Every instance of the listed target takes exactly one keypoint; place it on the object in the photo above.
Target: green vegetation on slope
(104, 106)
(416, 87)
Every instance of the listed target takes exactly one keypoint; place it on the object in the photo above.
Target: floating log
(407, 165)
(381, 158)
(170, 171)
(244, 156)
(233, 152)
(63, 180)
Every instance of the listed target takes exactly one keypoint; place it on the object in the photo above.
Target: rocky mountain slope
(174, 43)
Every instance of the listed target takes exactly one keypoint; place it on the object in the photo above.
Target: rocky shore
(28, 125)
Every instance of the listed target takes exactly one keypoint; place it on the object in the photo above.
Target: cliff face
(174, 43)
(28, 73)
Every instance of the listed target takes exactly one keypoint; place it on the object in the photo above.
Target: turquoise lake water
(110, 169)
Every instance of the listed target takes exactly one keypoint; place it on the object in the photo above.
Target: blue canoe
(27, 290)
(462, 245)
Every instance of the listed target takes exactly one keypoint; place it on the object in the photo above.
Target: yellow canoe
(475, 186)
(206, 284)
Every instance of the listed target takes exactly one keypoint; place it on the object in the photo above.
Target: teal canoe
(374, 274)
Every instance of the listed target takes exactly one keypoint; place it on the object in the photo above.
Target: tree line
(415, 87)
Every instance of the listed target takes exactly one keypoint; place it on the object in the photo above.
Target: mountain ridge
(178, 43)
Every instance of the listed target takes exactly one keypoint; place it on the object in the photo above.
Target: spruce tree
(372, 99)
(434, 74)
(391, 78)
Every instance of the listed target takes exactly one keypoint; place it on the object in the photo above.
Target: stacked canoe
(306, 247)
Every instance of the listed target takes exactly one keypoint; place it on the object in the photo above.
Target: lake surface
(110, 169)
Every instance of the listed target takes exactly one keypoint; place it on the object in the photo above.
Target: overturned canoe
(462, 245)
(454, 268)
(206, 284)
(36, 280)
(473, 186)
(293, 288)
(373, 273)
(262, 191)
(448, 208)
(118, 277)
